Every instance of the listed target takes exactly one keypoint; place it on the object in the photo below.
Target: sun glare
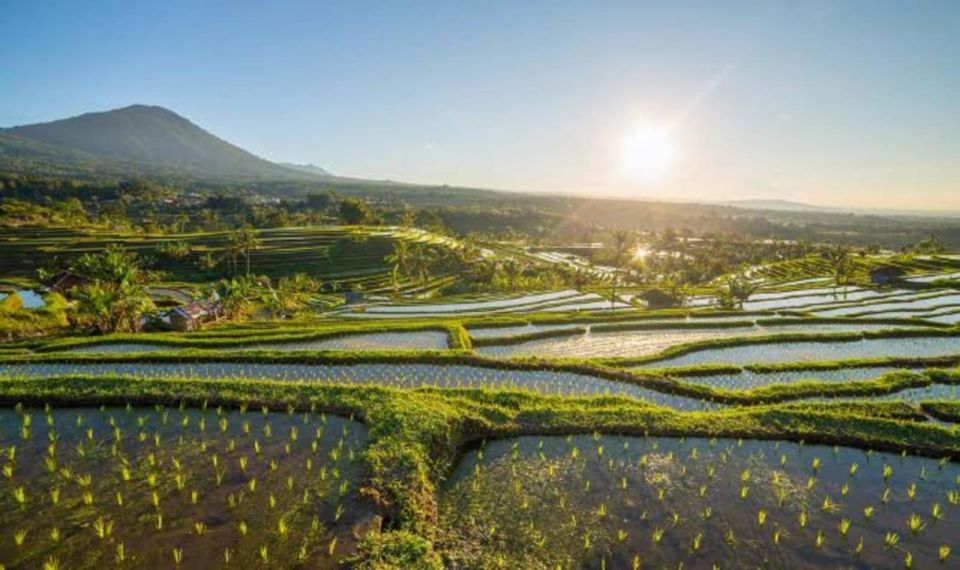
(647, 153)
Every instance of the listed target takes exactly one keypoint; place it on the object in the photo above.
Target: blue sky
(831, 102)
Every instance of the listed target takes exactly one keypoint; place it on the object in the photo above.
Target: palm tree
(232, 250)
(408, 217)
(840, 261)
(180, 222)
(399, 260)
(513, 270)
(248, 243)
(737, 289)
(290, 295)
(421, 262)
(235, 296)
(623, 243)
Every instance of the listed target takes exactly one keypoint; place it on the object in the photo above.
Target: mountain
(138, 137)
(308, 168)
(779, 205)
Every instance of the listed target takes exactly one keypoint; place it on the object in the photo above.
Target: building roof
(196, 310)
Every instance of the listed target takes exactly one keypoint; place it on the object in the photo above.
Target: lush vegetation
(346, 404)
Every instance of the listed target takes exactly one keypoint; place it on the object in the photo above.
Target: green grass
(943, 411)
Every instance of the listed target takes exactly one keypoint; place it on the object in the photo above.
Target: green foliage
(174, 250)
(115, 299)
(735, 290)
(353, 211)
(398, 550)
(290, 296)
(236, 296)
(657, 298)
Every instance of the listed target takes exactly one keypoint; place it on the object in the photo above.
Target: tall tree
(840, 261)
(115, 298)
(513, 270)
(737, 290)
(232, 251)
(422, 259)
(399, 261)
(248, 243)
(623, 243)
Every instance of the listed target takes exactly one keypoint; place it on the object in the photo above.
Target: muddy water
(612, 502)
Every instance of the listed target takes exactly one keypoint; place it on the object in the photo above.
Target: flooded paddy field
(629, 502)
(167, 487)
(651, 341)
(391, 375)
(817, 351)
(400, 340)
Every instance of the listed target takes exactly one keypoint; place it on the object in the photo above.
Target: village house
(193, 316)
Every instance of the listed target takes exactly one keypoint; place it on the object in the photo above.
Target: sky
(837, 103)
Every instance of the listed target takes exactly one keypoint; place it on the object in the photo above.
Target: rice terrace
(670, 296)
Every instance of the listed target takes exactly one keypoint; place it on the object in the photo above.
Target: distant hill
(137, 137)
(780, 205)
(308, 168)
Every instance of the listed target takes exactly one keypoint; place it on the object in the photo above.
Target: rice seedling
(548, 507)
(158, 472)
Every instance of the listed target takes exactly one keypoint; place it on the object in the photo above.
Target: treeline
(154, 204)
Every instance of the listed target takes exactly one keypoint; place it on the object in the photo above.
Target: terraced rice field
(816, 351)
(424, 340)
(895, 307)
(352, 256)
(166, 487)
(480, 331)
(481, 306)
(628, 502)
(648, 342)
(120, 348)
(559, 301)
(934, 277)
(747, 379)
(398, 376)
(421, 340)
(195, 485)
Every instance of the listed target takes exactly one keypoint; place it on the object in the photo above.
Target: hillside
(308, 168)
(139, 137)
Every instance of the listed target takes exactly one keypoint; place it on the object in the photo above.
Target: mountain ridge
(147, 135)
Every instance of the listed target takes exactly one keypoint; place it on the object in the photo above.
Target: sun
(647, 153)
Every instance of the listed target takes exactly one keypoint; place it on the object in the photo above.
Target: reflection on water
(615, 502)
(82, 482)
(31, 299)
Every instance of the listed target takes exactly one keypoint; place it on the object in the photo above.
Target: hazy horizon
(845, 104)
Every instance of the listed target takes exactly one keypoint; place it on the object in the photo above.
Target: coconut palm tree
(422, 259)
(232, 251)
(623, 244)
(736, 290)
(248, 242)
(399, 261)
(840, 261)
(513, 270)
